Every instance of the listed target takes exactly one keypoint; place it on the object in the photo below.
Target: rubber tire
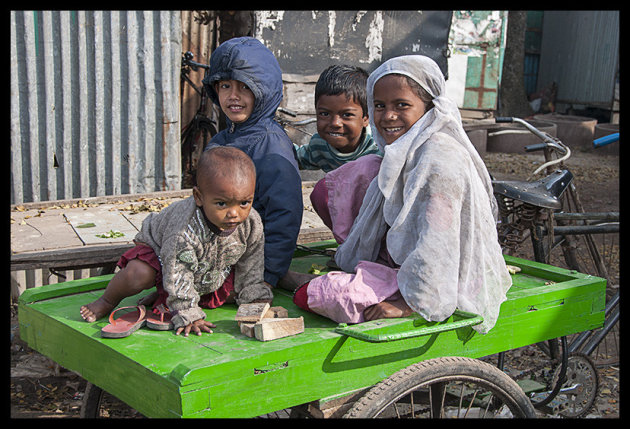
(91, 404)
(443, 369)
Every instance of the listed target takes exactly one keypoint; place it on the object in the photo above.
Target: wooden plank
(103, 222)
(334, 407)
(135, 219)
(272, 329)
(247, 329)
(276, 312)
(36, 231)
(311, 235)
(251, 312)
(42, 237)
(107, 199)
(71, 258)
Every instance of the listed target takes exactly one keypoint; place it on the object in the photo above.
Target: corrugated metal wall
(580, 51)
(94, 103)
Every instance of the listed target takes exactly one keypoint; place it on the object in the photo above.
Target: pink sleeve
(346, 188)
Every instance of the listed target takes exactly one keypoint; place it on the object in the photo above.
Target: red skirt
(146, 254)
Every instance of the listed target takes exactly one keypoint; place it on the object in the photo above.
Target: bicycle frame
(550, 223)
(200, 126)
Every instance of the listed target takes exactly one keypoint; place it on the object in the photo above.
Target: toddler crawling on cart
(199, 253)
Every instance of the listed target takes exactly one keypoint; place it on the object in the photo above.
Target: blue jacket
(278, 197)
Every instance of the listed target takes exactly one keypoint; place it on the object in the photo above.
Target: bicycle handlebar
(535, 147)
(548, 142)
(187, 60)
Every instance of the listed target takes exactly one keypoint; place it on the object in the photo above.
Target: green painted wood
(227, 374)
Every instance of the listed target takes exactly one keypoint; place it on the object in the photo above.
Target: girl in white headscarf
(424, 239)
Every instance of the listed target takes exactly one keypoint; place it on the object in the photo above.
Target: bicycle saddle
(544, 193)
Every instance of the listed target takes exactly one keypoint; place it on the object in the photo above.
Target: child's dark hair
(225, 161)
(344, 79)
(420, 91)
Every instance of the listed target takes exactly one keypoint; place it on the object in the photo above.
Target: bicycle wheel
(449, 387)
(580, 389)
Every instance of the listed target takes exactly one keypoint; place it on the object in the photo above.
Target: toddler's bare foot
(95, 310)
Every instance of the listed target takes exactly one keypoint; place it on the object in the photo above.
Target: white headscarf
(435, 194)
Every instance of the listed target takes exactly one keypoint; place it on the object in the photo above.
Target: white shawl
(435, 194)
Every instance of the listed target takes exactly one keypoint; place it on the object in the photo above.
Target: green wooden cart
(369, 368)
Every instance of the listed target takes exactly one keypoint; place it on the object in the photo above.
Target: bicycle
(296, 125)
(549, 212)
(198, 132)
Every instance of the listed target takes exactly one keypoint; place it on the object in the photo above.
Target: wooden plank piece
(46, 231)
(272, 329)
(276, 312)
(247, 329)
(100, 223)
(71, 258)
(251, 312)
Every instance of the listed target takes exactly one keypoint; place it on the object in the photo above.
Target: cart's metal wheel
(449, 387)
(97, 404)
(91, 401)
(580, 389)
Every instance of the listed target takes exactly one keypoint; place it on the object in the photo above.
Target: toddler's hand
(197, 326)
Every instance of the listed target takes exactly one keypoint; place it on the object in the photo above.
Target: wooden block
(251, 312)
(272, 329)
(276, 312)
(247, 328)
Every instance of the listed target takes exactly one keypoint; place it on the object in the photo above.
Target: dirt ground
(40, 389)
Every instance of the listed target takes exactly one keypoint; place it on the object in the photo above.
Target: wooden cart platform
(227, 374)
(73, 234)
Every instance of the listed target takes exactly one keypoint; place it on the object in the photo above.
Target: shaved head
(221, 163)
(226, 184)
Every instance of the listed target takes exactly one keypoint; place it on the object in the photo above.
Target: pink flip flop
(126, 324)
(160, 319)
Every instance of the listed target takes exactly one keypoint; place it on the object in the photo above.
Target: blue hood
(249, 61)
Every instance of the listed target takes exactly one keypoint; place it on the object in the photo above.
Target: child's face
(236, 99)
(226, 203)
(396, 107)
(340, 121)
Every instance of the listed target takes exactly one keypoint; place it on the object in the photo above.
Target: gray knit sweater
(196, 261)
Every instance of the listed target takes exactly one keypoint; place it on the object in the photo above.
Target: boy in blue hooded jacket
(245, 80)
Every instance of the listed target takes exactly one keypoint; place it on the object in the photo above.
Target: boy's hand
(197, 326)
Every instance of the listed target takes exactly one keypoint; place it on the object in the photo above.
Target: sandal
(160, 319)
(126, 324)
